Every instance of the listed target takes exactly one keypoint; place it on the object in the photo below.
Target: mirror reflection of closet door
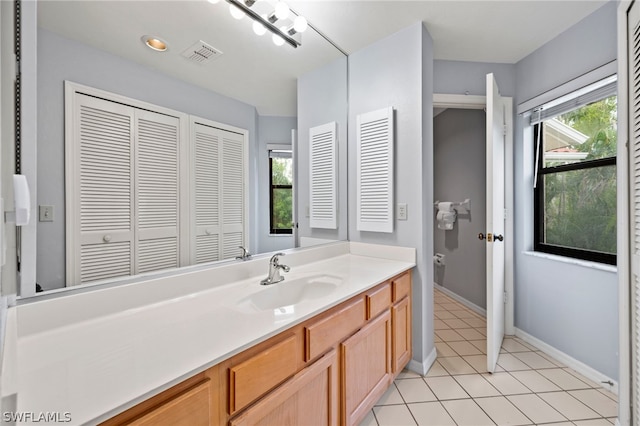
(219, 192)
(122, 186)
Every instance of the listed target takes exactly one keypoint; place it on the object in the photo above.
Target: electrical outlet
(46, 213)
(402, 211)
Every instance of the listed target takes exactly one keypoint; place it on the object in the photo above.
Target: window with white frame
(575, 174)
(280, 191)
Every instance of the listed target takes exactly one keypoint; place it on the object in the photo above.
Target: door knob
(481, 236)
(499, 237)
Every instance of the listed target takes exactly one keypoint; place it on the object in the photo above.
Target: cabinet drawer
(401, 286)
(308, 398)
(257, 375)
(188, 408)
(330, 330)
(378, 300)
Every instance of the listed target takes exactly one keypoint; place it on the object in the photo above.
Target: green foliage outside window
(580, 205)
(281, 194)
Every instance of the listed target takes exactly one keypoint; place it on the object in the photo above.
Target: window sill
(572, 261)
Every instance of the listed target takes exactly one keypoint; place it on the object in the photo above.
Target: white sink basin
(291, 291)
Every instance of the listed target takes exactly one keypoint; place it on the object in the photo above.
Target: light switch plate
(402, 211)
(45, 213)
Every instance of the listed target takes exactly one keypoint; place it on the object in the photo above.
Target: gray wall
(322, 98)
(460, 77)
(459, 173)
(271, 130)
(61, 59)
(571, 307)
(397, 71)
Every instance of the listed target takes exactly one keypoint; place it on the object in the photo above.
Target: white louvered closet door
(233, 165)
(323, 179)
(206, 167)
(100, 200)
(634, 187)
(157, 175)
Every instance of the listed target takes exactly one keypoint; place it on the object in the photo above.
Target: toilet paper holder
(466, 204)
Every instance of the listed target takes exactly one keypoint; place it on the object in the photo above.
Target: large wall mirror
(274, 94)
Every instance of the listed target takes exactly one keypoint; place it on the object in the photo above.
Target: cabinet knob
(106, 238)
(207, 232)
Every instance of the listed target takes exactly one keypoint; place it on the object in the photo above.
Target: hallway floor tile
(528, 387)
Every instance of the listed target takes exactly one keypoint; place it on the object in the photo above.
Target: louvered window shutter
(206, 144)
(374, 170)
(157, 191)
(99, 216)
(634, 186)
(323, 176)
(234, 164)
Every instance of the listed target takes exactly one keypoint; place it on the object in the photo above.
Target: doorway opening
(459, 174)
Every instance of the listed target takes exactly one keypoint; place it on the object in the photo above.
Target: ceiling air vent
(201, 52)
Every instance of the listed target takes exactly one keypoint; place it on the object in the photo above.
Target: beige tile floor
(528, 387)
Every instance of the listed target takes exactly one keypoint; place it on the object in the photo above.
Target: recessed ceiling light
(155, 43)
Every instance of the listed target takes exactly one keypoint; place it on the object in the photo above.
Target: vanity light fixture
(279, 21)
(155, 43)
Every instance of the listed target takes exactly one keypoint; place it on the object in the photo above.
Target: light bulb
(258, 28)
(282, 10)
(236, 12)
(278, 40)
(300, 24)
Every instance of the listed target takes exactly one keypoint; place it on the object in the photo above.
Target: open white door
(496, 131)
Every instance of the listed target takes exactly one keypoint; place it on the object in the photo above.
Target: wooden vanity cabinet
(328, 370)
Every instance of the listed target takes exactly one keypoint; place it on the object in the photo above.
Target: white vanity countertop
(100, 366)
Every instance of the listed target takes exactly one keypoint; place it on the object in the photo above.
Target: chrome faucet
(274, 270)
(245, 254)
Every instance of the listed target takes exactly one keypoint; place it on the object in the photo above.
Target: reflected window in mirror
(281, 191)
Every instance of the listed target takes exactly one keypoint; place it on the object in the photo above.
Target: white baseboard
(423, 367)
(475, 308)
(582, 368)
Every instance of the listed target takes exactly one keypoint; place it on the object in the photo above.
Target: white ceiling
(257, 72)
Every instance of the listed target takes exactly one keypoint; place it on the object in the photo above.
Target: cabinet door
(366, 368)
(192, 408)
(401, 333)
(308, 398)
